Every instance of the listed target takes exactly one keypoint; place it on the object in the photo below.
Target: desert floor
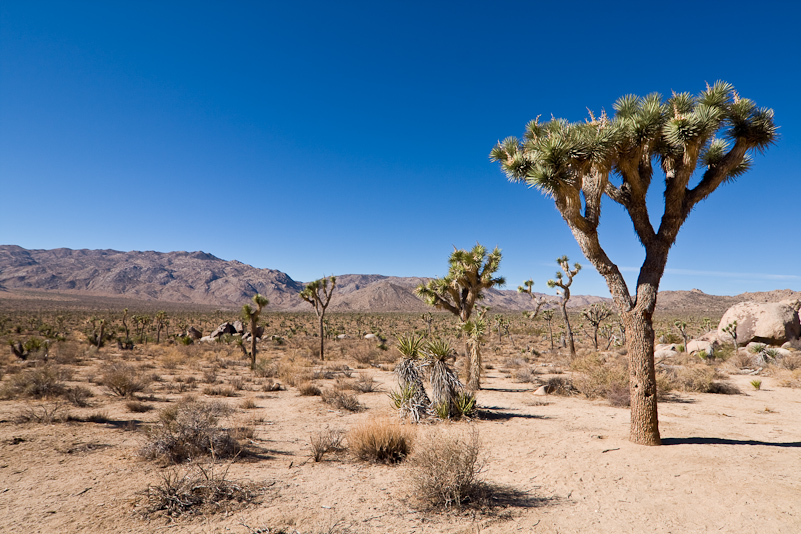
(729, 463)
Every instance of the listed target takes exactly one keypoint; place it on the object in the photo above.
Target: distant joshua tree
(469, 274)
(564, 292)
(252, 315)
(596, 314)
(318, 294)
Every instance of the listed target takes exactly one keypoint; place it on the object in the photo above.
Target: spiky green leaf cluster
(556, 154)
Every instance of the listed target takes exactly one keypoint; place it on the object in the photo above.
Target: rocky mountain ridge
(203, 279)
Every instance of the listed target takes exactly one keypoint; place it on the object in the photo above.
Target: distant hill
(203, 279)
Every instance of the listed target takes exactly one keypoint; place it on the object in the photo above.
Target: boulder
(697, 346)
(207, 338)
(772, 323)
(259, 332)
(342, 336)
(193, 332)
(225, 328)
(665, 353)
(370, 336)
(238, 327)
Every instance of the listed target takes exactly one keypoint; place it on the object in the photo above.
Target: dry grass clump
(220, 391)
(202, 490)
(444, 470)
(381, 441)
(789, 379)
(138, 406)
(190, 429)
(38, 383)
(309, 389)
(525, 374)
(341, 400)
(699, 379)
(325, 441)
(45, 414)
(123, 380)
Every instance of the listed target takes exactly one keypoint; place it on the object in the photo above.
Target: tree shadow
(725, 441)
(503, 496)
(495, 413)
(507, 390)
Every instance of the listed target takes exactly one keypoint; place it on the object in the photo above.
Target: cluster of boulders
(774, 325)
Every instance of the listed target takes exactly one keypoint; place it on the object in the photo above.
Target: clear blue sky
(353, 137)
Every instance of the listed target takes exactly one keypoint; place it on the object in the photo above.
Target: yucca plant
(445, 384)
(411, 400)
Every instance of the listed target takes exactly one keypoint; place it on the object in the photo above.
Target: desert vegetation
(205, 429)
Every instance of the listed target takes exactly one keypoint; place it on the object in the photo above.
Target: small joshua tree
(596, 314)
(731, 329)
(681, 326)
(161, 322)
(251, 315)
(564, 282)
(318, 294)
(538, 300)
(469, 274)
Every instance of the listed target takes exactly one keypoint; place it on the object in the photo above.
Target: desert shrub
(598, 377)
(700, 379)
(201, 490)
(444, 469)
(365, 384)
(45, 414)
(220, 391)
(210, 376)
(138, 406)
(525, 374)
(78, 396)
(789, 379)
(341, 400)
(123, 380)
(40, 382)
(188, 430)
(248, 404)
(309, 389)
(325, 441)
(380, 440)
(558, 385)
(265, 369)
(790, 362)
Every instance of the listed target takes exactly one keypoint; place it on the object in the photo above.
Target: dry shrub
(365, 384)
(558, 385)
(789, 379)
(325, 441)
(201, 490)
(790, 362)
(138, 406)
(45, 414)
(599, 377)
(699, 379)
(190, 429)
(123, 379)
(220, 391)
(309, 389)
(525, 374)
(341, 400)
(380, 440)
(40, 382)
(444, 469)
(248, 404)
(78, 396)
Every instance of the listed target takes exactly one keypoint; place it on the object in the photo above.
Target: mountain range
(203, 279)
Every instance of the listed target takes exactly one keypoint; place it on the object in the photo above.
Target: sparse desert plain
(101, 439)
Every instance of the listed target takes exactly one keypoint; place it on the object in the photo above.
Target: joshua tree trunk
(322, 338)
(644, 427)
(474, 364)
(568, 331)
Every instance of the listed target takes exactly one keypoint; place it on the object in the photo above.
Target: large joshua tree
(251, 315)
(578, 164)
(318, 294)
(563, 282)
(469, 274)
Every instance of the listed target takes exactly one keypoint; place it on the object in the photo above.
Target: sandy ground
(730, 463)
